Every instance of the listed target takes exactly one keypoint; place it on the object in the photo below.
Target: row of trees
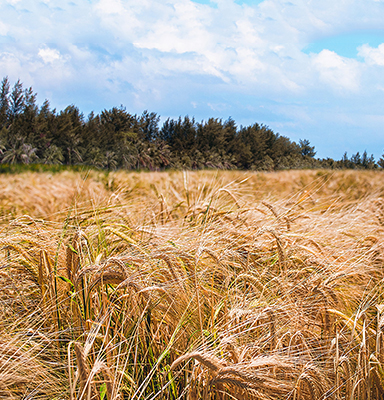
(117, 139)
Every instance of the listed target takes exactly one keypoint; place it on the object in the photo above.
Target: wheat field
(192, 285)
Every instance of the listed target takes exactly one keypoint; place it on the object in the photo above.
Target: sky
(308, 69)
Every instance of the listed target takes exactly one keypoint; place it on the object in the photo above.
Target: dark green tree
(28, 117)
(356, 160)
(367, 162)
(68, 135)
(380, 163)
(306, 149)
(4, 102)
(148, 125)
(16, 101)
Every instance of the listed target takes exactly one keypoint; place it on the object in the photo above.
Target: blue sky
(309, 69)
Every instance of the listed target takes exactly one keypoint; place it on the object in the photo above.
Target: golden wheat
(198, 285)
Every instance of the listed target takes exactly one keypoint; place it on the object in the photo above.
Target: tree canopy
(113, 139)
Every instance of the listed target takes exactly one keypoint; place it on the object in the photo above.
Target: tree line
(117, 139)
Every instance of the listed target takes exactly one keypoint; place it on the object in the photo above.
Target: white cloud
(49, 55)
(179, 27)
(257, 47)
(336, 71)
(10, 65)
(373, 56)
(168, 54)
(108, 7)
(3, 29)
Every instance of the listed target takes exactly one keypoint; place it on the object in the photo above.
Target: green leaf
(72, 248)
(63, 278)
(103, 391)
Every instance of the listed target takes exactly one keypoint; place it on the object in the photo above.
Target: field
(194, 285)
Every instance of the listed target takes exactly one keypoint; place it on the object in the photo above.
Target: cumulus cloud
(49, 55)
(336, 71)
(373, 56)
(253, 46)
(174, 55)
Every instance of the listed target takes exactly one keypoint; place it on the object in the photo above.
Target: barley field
(192, 285)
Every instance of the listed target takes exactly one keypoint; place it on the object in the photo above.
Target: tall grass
(198, 285)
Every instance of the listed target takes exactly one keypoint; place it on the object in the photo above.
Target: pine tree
(305, 148)
(381, 161)
(16, 100)
(4, 102)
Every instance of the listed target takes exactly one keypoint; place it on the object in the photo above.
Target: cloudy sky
(309, 69)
